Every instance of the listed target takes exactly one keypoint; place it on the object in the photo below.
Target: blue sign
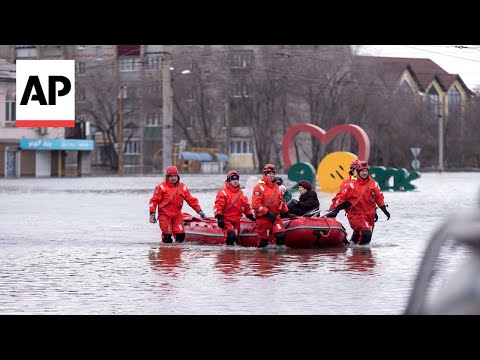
(56, 144)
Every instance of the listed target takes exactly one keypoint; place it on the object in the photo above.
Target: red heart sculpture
(325, 137)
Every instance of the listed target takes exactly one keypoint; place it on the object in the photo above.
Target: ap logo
(45, 93)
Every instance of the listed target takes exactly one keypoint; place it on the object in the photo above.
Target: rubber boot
(229, 241)
(263, 243)
(355, 237)
(366, 237)
(180, 237)
(280, 238)
(167, 238)
(230, 237)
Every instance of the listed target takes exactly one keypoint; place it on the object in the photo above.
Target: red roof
(423, 70)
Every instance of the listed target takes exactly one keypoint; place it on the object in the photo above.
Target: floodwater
(85, 246)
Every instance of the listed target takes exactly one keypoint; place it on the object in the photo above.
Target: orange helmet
(233, 175)
(172, 170)
(362, 165)
(269, 167)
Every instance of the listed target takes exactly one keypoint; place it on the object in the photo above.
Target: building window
(153, 62)
(190, 121)
(99, 52)
(241, 90)
(132, 147)
(433, 101)
(152, 120)
(10, 111)
(189, 65)
(241, 147)
(241, 59)
(130, 63)
(79, 67)
(454, 99)
(81, 94)
(207, 49)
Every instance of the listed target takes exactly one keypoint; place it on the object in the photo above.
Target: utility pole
(167, 107)
(120, 133)
(440, 142)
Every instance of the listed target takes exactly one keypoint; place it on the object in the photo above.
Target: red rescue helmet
(362, 165)
(354, 164)
(172, 170)
(269, 167)
(233, 175)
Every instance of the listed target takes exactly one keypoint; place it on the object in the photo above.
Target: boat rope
(329, 229)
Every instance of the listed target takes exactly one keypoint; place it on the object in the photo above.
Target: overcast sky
(463, 60)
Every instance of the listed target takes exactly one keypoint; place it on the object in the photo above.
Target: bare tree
(103, 88)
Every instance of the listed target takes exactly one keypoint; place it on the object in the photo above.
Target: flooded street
(85, 246)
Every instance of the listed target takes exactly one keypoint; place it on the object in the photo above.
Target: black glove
(251, 217)
(221, 222)
(385, 211)
(202, 214)
(289, 215)
(153, 220)
(335, 211)
(376, 216)
(332, 213)
(271, 216)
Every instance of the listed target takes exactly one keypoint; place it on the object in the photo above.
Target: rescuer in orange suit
(269, 206)
(230, 204)
(359, 199)
(168, 198)
(352, 175)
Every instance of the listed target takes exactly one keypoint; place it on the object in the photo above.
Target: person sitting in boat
(230, 204)
(269, 207)
(286, 194)
(359, 199)
(168, 198)
(308, 200)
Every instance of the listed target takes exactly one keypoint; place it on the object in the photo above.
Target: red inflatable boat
(302, 232)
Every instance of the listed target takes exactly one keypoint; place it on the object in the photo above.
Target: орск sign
(45, 93)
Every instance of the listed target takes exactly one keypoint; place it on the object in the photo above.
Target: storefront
(47, 156)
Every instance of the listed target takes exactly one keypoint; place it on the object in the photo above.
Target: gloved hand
(289, 215)
(153, 220)
(332, 213)
(376, 216)
(385, 211)
(251, 217)
(221, 222)
(271, 216)
(202, 214)
(335, 211)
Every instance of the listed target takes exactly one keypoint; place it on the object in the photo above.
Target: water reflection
(360, 258)
(166, 258)
(234, 262)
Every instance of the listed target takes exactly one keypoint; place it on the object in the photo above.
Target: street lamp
(440, 142)
(121, 96)
(167, 100)
(167, 108)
